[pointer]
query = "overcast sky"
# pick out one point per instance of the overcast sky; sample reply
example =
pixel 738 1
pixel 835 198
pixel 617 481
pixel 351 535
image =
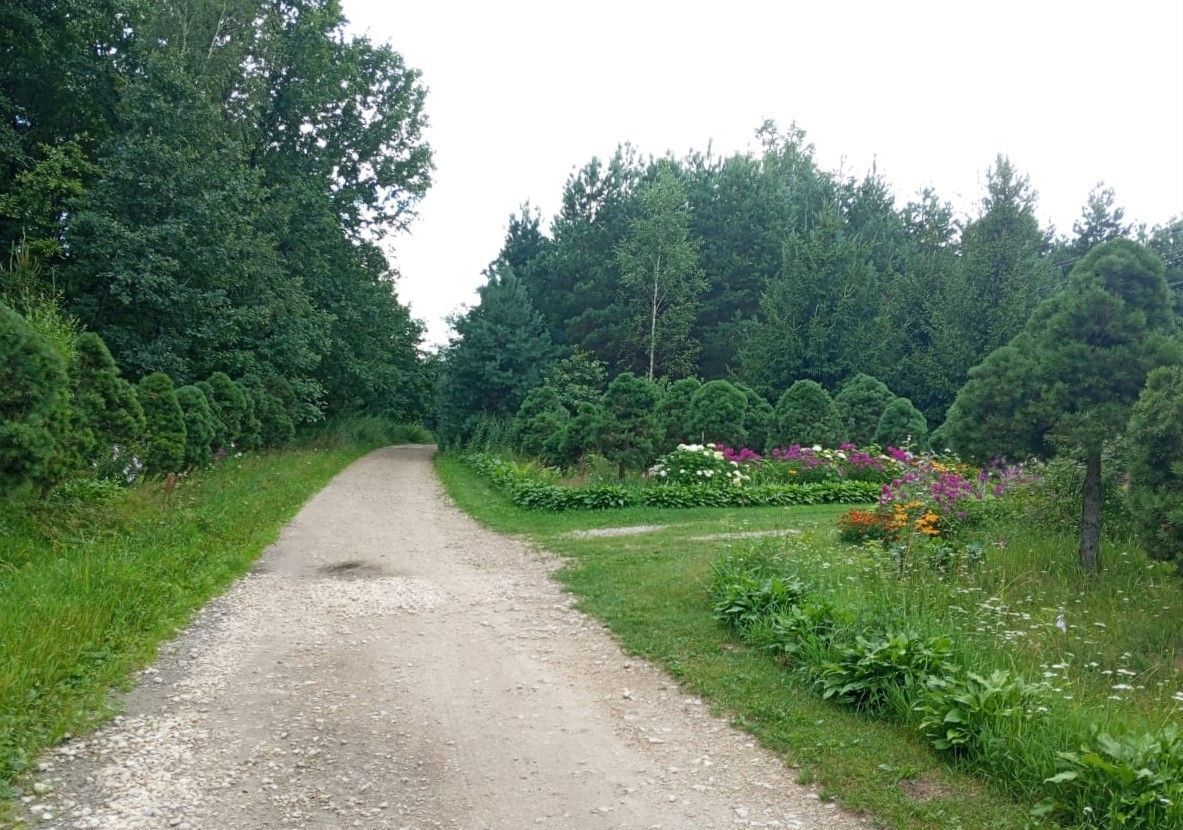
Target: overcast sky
pixel 520 93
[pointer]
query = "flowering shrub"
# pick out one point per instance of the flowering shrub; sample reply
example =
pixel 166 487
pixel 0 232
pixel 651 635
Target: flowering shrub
pixel 698 464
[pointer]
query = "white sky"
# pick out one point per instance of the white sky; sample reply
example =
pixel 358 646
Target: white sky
pixel 522 92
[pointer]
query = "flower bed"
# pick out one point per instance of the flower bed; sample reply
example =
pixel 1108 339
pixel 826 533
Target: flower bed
pixel 534 488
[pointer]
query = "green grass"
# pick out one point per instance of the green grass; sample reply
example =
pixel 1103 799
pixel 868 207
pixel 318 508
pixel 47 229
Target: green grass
pixel 88 590
pixel 651 590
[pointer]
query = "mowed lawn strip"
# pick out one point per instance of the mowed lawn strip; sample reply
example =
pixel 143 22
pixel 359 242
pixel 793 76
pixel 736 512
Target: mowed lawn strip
pixel 651 590
pixel 88 592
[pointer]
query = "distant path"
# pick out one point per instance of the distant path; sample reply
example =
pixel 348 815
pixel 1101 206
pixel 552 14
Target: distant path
pixel 391 664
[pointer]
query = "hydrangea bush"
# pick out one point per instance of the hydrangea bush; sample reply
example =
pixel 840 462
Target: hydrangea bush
pixel 699 464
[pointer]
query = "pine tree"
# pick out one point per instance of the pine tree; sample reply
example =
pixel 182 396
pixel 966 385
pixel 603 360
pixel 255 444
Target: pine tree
pixel 1072 375
pixel 902 425
pixel 718 412
pixel 630 432
pixel 1156 464
pixel 861 402
pixel 806 414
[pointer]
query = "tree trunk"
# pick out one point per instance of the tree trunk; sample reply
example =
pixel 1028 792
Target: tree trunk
pixel 1090 515
pixel 653 321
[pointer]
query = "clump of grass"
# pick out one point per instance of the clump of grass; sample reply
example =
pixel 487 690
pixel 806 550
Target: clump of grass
pixel 92 582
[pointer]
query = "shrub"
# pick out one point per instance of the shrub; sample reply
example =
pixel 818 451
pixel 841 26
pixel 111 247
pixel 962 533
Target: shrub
pixel 106 403
pixel 746 599
pixel 1155 436
pixel 583 432
pixel 199 426
pixel 220 429
pixel 805 414
pixel 803 634
pixel 902 425
pixel 276 428
pixel 164 424
pixel 229 403
pixel 1134 782
pixel 673 414
pixel 630 433
pixel 861 402
pixel 251 437
pixel 697 464
pixel 757 419
pixel 34 402
pixel 717 413
pixel 875 673
pixel 963 714
pixel 540 425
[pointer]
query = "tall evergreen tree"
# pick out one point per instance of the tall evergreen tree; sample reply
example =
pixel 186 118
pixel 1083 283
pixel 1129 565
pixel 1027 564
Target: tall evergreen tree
pixel 501 350
pixel 1071 376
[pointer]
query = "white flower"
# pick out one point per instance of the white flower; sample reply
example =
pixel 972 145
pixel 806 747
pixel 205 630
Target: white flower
pixel 816 448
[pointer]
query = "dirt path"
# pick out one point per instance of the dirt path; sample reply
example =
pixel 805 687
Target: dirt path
pixel 391 664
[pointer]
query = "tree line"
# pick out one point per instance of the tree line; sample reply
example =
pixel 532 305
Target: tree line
pixel 205 185
pixel 765 269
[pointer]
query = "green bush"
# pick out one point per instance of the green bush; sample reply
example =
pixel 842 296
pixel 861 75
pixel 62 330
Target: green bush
pixel 902 425
pixel 963 714
pixel 757 419
pixel 861 402
pixel 718 411
pixel 34 403
pixel 745 600
pixel 886 671
pixel 164 424
pixel 697 464
pixel 251 437
pixel 1155 437
pixel 229 403
pixel 583 432
pixel 630 436
pixel 540 425
pixel 673 414
pixel 275 423
pixel 1133 782
pixel 106 402
pixel 806 414
pixel 199 426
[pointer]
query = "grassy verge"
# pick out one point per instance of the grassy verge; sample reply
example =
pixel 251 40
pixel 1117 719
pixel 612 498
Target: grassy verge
pixel 88 590
pixel 651 589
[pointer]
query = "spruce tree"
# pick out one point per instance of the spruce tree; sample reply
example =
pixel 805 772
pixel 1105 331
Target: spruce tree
pixel 673 413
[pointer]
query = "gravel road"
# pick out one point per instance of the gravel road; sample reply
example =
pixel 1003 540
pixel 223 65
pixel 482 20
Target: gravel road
pixel 391 664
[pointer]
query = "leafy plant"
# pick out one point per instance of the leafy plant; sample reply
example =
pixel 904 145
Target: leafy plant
pixel 740 603
pixel 1134 782
pixel 873 672
pixel 958 714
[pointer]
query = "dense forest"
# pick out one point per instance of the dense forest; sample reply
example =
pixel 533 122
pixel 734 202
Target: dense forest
pixel 765 269
pixel 205 185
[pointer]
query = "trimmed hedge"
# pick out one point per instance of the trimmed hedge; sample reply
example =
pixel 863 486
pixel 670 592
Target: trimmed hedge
pixel 528 489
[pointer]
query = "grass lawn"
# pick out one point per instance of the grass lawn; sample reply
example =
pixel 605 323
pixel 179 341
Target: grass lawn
pixel 651 589
pixel 89 590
